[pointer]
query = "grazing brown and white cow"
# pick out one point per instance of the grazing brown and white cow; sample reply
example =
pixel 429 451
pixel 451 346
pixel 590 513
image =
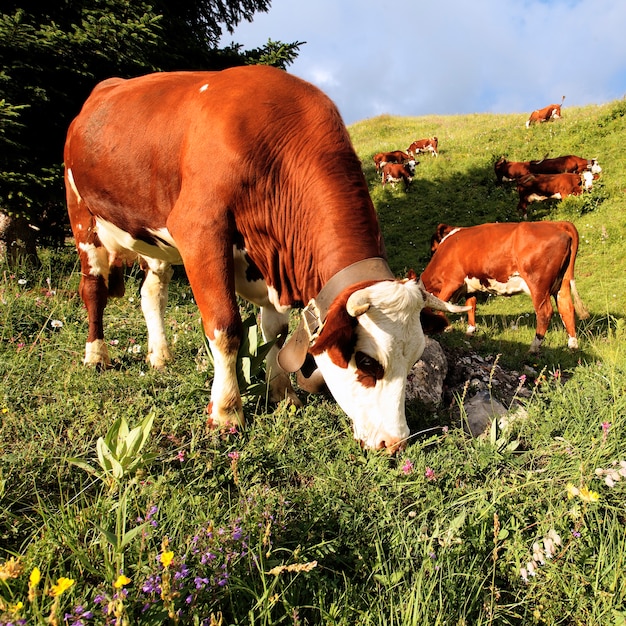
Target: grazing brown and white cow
pixel 551 112
pixel 423 145
pixel 538 187
pixel 165 169
pixel 535 258
pixel 564 164
pixel 395 172
pixel 396 156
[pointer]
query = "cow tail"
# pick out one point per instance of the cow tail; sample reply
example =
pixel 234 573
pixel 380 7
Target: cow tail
pixel 579 306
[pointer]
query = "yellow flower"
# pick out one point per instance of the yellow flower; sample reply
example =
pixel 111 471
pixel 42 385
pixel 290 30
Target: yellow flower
pixel 572 491
pixel 16 608
pixel 63 584
pixel 35 577
pixel 121 581
pixel 166 558
pixel 586 495
pixel 5 410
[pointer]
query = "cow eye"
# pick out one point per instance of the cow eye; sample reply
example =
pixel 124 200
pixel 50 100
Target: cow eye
pixel 369 370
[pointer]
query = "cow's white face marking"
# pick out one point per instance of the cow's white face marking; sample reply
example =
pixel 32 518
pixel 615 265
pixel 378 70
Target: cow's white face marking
pixel 515 284
pixel 390 332
pixel 588 179
pixel 118 241
pixel 595 167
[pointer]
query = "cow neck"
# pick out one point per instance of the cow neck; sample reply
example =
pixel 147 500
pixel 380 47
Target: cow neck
pixel 292 354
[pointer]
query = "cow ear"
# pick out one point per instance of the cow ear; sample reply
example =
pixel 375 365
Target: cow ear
pixel 411 275
pixel 358 303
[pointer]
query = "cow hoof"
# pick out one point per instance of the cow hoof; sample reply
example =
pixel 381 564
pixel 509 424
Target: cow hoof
pixel 470 330
pixel 97 354
pixel 159 360
pixel 224 420
pixel 572 343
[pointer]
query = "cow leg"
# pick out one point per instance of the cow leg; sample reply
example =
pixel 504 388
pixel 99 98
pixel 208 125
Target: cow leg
pixel 275 326
pixel 543 311
pixel 95 271
pixel 566 311
pixel 153 302
pixel 471 315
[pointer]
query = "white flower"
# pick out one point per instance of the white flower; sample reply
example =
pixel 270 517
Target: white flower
pixel 135 349
pixel 56 323
pixel 22 281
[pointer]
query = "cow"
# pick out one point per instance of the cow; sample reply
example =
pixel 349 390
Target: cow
pixel 395 172
pixel 536 258
pixel 551 112
pixel 565 164
pixel 423 145
pixel 397 156
pixel 538 187
pixel 165 169
pixel 509 171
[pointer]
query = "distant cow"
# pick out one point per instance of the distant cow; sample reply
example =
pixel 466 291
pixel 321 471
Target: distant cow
pixel 511 170
pixel 535 258
pixel 159 169
pixel 395 172
pixel 551 112
pixel 538 187
pixel 563 164
pixel 396 156
pixel 423 145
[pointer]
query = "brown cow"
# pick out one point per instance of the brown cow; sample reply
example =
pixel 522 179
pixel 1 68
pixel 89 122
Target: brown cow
pixel 551 112
pixel 165 169
pixel 395 172
pixel 397 156
pixel 538 187
pixel 535 258
pixel 510 170
pixel 564 164
pixel 423 145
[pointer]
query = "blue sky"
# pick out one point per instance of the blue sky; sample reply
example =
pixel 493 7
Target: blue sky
pixel 420 57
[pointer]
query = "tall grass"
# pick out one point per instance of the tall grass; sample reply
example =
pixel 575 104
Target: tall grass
pixel 289 521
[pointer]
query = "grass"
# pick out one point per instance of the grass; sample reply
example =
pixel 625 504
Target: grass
pixel 290 522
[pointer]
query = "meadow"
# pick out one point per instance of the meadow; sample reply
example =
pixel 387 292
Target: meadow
pixel 119 506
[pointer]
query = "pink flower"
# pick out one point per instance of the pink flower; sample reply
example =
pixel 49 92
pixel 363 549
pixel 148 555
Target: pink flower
pixel 233 456
pixel 407 468
pixel 181 456
pixel 430 474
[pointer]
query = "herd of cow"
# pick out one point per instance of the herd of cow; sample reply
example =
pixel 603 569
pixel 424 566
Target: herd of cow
pixel 164 169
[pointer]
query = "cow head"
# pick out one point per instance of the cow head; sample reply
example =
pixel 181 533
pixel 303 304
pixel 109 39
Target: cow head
pixel 411 166
pixel 371 338
pixel 594 167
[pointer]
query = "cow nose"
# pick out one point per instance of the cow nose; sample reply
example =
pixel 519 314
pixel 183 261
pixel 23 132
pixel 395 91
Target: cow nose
pixel 388 443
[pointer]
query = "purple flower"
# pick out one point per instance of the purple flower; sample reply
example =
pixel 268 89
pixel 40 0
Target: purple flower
pixel 407 468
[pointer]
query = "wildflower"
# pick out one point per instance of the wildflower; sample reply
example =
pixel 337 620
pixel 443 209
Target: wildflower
pixel 63 584
pixel 576 534
pixel 522 379
pixel 135 349
pixel 166 558
pixel 22 281
pixel 572 491
pixel 407 468
pixel 430 474
pixel 5 410
pixel 233 456
pixel 586 495
pixel 56 324
pixel 121 581
pixel 181 456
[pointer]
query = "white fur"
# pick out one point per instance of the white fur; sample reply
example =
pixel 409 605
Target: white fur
pixel 389 331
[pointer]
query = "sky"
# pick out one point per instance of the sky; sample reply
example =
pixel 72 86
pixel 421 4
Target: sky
pixel 446 57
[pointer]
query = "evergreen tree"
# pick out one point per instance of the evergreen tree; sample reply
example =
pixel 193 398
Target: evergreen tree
pixel 51 56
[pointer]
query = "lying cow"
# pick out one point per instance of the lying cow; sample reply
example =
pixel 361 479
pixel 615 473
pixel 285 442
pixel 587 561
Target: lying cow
pixel 535 258
pixel 397 156
pixel 509 171
pixel 538 187
pixel 273 230
pixel 564 164
pixel 423 145
pixel 551 112
pixel 395 172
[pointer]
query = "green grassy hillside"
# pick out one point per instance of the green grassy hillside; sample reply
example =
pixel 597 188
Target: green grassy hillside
pixel 290 521
pixel 459 187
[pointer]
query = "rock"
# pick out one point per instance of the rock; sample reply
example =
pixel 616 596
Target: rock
pixel 425 380
pixel 480 410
